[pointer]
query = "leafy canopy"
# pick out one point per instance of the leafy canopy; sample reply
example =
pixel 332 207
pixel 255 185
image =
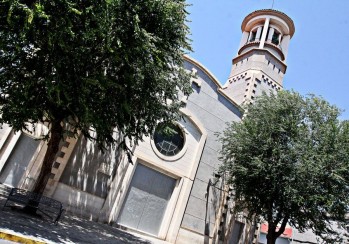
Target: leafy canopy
pixel 100 64
pixel 288 161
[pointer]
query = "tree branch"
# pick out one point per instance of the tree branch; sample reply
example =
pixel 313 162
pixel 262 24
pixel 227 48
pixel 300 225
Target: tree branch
pixel 282 227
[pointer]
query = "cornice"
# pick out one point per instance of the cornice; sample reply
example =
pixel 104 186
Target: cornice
pixel 271 12
pixel 242 56
pixel 256 43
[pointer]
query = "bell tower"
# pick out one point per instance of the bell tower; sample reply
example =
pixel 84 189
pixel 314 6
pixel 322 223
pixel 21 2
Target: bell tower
pixel 260 64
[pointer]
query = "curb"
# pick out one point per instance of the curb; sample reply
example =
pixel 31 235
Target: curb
pixel 18 238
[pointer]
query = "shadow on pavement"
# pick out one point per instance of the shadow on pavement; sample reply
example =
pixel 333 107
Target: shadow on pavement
pixel 70 229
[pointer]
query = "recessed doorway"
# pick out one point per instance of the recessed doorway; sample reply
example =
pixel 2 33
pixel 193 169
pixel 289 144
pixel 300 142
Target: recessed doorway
pixel 146 200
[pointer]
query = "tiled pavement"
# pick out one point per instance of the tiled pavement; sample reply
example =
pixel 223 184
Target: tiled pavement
pixel 14 224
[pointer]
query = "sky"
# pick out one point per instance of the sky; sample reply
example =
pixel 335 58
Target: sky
pixel 318 56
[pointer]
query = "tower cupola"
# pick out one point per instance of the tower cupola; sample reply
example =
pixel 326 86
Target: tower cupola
pixel 267 29
pixel 260 63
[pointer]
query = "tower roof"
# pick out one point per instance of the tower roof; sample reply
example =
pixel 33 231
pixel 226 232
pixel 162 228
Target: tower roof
pixel 270 12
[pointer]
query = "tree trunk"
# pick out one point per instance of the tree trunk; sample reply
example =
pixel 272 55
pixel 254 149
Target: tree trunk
pixel 271 236
pixel 272 233
pixel 50 155
pixel 45 171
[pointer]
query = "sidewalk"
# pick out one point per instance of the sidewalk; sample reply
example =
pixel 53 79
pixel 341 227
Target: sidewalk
pixel 21 228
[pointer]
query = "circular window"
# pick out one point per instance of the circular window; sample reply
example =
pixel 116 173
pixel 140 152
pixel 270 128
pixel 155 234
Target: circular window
pixel 168 139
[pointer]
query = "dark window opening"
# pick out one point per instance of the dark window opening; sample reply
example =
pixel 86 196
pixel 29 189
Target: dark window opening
pixel 275 38
pixel 253 36
pixel 169 139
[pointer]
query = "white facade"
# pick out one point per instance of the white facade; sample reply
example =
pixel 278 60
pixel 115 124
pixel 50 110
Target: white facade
pixel 169 197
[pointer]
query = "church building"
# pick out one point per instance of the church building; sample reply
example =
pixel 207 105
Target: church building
pixel 169 189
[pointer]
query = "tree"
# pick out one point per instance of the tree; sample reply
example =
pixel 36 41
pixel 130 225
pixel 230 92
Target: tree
pixel 91 67
pixel 288 162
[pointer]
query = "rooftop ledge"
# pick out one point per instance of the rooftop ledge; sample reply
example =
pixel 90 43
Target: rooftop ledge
pixel 267 45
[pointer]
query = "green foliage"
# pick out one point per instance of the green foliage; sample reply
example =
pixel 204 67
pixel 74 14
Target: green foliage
pixel 105 64
pixel 288 161
pixel 167 129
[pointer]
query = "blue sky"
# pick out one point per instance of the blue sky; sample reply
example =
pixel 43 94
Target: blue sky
pixel 318 59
